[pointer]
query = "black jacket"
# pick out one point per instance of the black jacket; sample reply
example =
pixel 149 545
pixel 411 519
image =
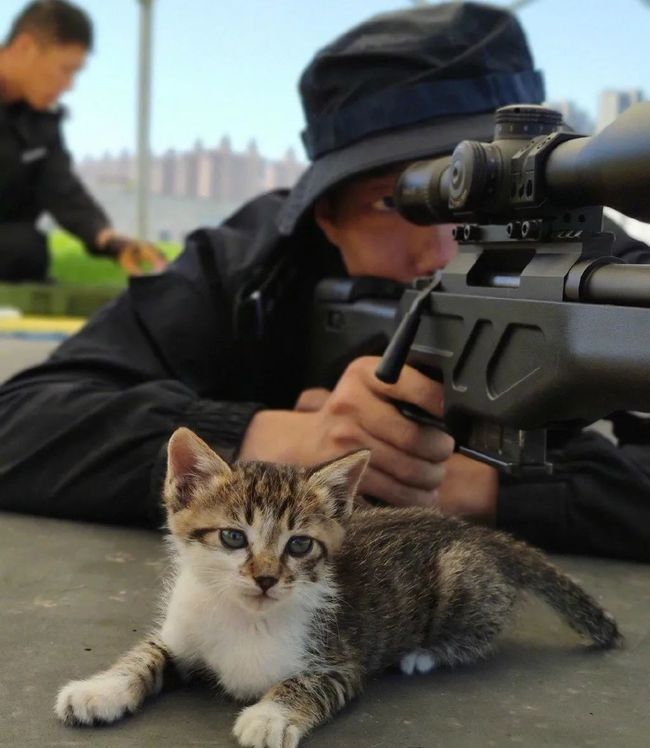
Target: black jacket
pixel 81 435
pixel 36 174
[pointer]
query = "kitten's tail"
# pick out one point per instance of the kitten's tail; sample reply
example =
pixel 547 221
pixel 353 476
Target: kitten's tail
pixel 529 568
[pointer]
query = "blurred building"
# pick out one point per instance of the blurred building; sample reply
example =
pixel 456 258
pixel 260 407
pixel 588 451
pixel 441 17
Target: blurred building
pixel 573 115
pixel 202 185
pixel 188 188
pixel 611 103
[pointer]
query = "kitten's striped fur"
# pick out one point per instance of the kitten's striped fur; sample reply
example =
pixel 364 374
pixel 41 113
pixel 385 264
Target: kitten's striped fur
pixel 300 632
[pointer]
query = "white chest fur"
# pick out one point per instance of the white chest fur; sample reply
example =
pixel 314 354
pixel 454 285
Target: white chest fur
pixel 248 652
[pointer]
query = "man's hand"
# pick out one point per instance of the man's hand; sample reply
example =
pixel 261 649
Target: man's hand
pixel 135 256
pixel 132 255
pixel 407 459
pixel 469 489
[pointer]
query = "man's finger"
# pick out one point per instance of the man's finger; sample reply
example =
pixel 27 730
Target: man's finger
pixel 381 486
pixel 128 261
pixel 409 471
pixel 311 400
pixel 412 386
pixel 134 258
pixel 383 421
pixel 154 256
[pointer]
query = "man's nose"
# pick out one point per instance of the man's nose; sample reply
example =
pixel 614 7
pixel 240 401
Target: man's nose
pixel 67 84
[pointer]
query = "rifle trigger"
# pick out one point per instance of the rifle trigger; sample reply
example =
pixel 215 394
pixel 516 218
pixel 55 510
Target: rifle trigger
pixel 421 416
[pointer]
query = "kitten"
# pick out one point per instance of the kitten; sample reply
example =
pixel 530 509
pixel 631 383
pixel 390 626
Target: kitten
pixel 282 593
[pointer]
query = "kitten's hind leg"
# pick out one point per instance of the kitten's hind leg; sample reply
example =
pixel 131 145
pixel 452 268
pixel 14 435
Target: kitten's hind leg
pixel 120 690
pixel 474 602
pixel 419 660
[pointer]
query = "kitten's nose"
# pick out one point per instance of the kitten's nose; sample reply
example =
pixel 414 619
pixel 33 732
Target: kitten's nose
pixel 265 583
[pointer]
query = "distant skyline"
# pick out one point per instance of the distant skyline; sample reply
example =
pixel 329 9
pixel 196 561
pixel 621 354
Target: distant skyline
pixel 231 66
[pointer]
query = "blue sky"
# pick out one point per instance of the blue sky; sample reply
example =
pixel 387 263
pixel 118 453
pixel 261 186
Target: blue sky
pixel 231 66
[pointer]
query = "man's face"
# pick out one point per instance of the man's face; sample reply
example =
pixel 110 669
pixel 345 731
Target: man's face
pixel 374 239
pixel 49 70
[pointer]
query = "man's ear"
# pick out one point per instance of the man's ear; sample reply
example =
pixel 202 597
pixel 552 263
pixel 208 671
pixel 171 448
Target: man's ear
pixel 340 478
pixel 190 463
pixel 23 44
pixel 325 217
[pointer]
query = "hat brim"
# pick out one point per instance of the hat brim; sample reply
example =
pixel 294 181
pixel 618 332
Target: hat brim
pixel 434 138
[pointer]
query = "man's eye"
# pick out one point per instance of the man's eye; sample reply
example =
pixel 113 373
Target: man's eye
pixel 385 204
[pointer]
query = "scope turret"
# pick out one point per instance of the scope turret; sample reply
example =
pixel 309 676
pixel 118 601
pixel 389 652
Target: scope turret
pixel 533 168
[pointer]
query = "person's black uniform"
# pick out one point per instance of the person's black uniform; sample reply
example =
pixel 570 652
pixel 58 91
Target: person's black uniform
pixel 182 349
pixel 36 176
pixel 82 436
pixel 46 47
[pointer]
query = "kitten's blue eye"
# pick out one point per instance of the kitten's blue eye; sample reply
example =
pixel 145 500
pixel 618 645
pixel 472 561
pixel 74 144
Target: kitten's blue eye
pixel 299 545
pixel 233 539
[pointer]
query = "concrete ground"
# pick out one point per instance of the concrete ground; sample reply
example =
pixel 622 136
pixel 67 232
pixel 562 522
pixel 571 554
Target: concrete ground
pixel 74 596
pixel 16 354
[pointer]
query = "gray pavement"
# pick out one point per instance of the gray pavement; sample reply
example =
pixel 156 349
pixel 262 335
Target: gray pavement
pixel 74 596
pixel 17 354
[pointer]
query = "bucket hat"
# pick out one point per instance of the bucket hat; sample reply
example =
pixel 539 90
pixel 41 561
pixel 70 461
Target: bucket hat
pixel 408 85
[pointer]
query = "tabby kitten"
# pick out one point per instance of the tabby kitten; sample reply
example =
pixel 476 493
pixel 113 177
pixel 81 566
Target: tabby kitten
pixel 284 595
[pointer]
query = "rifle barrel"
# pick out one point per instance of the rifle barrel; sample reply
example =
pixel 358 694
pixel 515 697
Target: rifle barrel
pixel 617 283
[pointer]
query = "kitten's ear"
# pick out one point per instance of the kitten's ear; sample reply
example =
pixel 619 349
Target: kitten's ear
pixel 341 478
pixel 190 461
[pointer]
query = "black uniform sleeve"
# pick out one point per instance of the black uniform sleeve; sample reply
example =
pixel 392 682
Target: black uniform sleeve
pixel 82 436
pixel 61 193
pixel 83 449
pixel 81 433
pixel 597 503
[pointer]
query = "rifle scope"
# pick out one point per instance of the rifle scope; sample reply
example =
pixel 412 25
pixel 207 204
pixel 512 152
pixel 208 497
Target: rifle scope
pixel 533 168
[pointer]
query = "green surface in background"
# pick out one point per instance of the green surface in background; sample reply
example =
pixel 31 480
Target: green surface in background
pixel 70 263
pixel 81 283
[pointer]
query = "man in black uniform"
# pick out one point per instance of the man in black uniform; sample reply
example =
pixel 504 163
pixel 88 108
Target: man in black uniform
pixel 45 49
pixel 218 342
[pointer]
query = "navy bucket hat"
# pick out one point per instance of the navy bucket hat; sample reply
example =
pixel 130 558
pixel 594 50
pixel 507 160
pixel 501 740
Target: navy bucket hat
pixel 408 85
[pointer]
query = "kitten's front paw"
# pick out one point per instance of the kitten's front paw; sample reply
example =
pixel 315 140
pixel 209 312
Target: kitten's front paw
pixel 265 725
pixel 102 698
